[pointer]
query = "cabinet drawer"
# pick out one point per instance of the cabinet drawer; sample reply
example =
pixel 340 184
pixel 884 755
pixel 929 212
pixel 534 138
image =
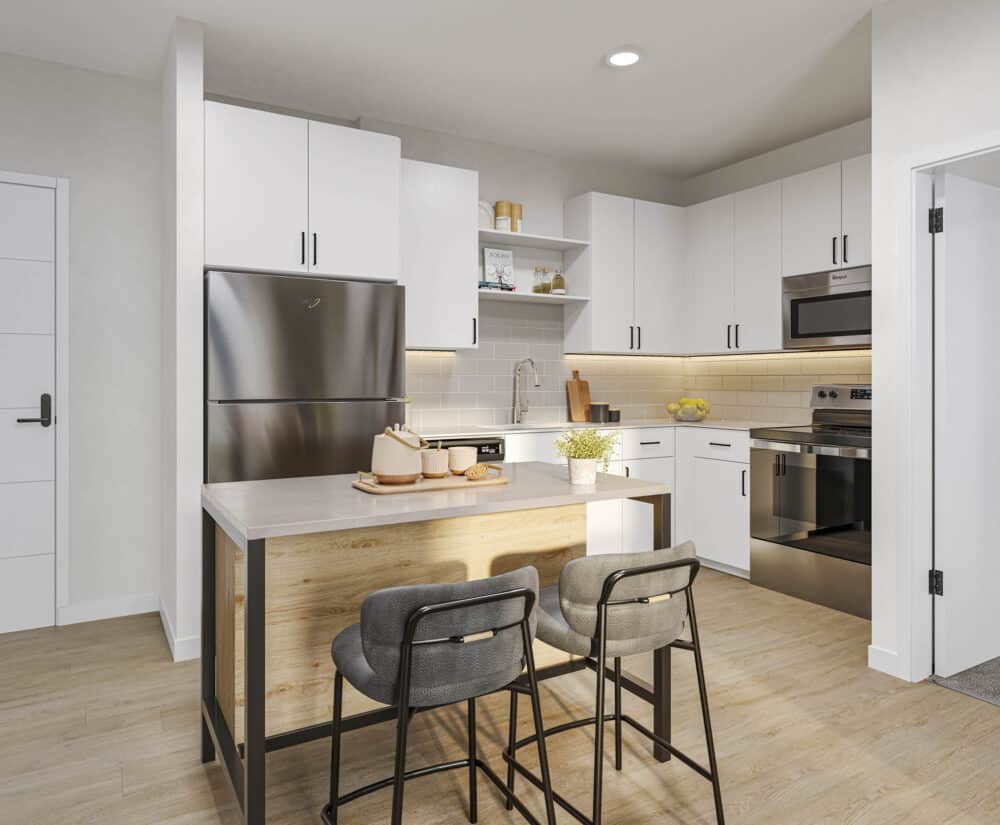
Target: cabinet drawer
pixel 647 442
pixel 725 445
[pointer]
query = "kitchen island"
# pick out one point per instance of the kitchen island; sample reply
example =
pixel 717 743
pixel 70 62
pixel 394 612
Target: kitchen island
pixel 287 563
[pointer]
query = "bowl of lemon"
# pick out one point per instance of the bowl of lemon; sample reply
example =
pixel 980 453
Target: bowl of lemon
pixel 689 409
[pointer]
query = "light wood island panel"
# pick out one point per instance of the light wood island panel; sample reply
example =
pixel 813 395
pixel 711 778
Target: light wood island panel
pixel 317 582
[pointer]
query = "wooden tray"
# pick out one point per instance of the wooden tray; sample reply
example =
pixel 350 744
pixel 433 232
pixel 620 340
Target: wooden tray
pixel 367 483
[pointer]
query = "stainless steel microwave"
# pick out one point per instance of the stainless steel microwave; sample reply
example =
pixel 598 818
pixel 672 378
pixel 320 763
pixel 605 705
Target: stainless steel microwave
pixel 828 309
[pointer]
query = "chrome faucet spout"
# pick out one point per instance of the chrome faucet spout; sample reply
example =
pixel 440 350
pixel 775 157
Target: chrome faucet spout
pixel 519 404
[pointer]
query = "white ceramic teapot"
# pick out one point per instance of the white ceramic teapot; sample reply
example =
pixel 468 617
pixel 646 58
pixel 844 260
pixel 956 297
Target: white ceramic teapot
pixel 396 456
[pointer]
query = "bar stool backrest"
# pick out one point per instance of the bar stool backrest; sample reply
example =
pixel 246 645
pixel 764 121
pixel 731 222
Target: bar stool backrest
pixel 443 663
pixel 649 625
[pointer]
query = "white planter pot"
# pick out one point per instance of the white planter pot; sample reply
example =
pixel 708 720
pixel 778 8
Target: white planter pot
pixel 583 471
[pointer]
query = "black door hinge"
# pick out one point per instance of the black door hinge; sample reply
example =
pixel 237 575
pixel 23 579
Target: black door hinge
pixel 935 220
pixel 935 582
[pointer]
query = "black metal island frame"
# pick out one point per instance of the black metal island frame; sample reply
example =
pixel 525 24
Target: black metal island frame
pixel 274 550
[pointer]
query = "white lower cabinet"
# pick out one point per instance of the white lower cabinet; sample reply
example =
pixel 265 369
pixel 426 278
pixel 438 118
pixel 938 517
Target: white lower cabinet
pixel 637 518
pixel 712 498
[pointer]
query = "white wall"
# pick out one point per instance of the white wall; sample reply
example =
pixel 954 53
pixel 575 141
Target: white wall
pixel 836 145
pixel 183 260
pixel 541 182
pixel 102 132
pixel 934 77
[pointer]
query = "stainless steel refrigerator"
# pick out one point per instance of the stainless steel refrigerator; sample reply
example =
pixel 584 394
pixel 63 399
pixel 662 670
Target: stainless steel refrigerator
pixel 300 374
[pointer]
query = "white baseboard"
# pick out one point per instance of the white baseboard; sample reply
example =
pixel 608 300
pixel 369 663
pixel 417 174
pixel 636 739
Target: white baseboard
pixel 182 650
pixel 725 568
pixel 106 609
pixel 885 661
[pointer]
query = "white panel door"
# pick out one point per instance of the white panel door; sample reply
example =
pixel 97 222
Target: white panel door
pixel 637 517
pixel 710 275
pixel 439 231
pixel 722 512
pixel 612 249
pixel 604 520
pixel 28 228
pixel 256 189
pixel 354 187
pixel 810 221
pixel 757 268
pixel 659 278
pixel 27 371
pixel 966 447
pixel 856 249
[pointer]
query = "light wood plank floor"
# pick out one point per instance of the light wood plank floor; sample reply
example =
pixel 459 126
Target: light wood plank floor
pixel 98 726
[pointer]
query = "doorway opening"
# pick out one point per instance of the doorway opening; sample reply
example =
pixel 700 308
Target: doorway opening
pixel 963 221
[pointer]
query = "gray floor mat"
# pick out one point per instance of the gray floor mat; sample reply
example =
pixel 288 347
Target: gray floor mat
pixel 981 681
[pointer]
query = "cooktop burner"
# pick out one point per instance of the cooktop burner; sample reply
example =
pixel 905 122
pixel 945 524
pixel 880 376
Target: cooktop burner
pixel 811 434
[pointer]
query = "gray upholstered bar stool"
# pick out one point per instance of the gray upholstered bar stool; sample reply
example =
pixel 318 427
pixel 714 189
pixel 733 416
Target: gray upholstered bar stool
pixel 609 606
pixel 414 649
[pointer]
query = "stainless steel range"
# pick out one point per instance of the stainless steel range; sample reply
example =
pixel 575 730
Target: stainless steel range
pixel 810 502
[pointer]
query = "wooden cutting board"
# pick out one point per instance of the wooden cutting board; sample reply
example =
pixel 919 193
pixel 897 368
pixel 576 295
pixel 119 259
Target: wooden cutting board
pixel 578 398
pixel 366 483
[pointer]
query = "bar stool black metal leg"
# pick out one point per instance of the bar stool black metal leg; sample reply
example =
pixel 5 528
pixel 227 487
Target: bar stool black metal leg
pixel 618 713
pixel 511 748
pixel 399 777
pixel 473 790
pixel 602 661
pixel 703 693
pixel 536 712
pixel 338 701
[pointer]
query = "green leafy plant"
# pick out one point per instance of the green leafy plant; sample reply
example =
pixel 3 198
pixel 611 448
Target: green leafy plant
pixel 585 443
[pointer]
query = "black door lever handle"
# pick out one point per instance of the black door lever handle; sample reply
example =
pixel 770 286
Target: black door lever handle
pixel 45 418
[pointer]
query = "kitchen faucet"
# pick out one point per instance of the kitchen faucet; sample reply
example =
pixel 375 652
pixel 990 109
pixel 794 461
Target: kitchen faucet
pixel 520 404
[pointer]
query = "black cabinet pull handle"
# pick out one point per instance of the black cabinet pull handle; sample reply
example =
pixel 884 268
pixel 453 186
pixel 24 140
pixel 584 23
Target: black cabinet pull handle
pixel 737 336
pixel 777 466
pixel 631 337
pixel 302 256
pixel 626 471
pixel 475 331
pixel 45 414
pixel 835 249
pixel 743 483
pixel 638 337
pixel 844 249
pixel 729 333
pixel 718 444
pixel 315 243
pixel 648 443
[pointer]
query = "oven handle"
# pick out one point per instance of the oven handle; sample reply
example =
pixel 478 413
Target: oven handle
pixel 864 453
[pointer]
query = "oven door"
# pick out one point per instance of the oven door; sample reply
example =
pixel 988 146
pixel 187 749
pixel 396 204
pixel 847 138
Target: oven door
pixel 812 500
pixel 830 309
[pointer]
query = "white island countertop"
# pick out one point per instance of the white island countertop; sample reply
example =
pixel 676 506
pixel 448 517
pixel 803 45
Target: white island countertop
pixel 251 510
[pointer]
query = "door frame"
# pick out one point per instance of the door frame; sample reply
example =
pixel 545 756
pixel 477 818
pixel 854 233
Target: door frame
pixel 62 367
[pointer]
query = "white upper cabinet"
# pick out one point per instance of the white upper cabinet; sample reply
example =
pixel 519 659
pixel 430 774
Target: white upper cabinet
pixel 354 184
pixel 710 275
pixel 256 189
pixel 810 221
pixel 285 194
pixel 820 209
pixel 659 278
pixel 439 223
pixel 632 272
pixel 757 268
pixel 856 244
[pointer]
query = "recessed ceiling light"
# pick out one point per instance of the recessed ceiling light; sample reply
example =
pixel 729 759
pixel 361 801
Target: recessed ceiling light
pixel 620 58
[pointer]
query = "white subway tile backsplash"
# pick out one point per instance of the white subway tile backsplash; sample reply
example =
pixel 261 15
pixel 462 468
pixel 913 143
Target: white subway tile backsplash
pixel 473 387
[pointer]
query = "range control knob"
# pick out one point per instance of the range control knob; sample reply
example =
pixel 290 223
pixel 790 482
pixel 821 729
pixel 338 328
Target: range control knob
pixel 821 393
pixel 833 393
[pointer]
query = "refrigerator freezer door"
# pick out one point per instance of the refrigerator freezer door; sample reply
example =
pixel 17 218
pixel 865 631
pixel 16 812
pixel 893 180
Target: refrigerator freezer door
pixel 286 440
pixel 283 337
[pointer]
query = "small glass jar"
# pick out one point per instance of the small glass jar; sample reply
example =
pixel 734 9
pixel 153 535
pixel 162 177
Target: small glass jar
pixel 558 283
pixel 546 280
pixel 536 284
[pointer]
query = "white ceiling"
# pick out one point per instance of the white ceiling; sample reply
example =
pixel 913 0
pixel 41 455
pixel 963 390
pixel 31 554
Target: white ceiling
pixel 719 81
